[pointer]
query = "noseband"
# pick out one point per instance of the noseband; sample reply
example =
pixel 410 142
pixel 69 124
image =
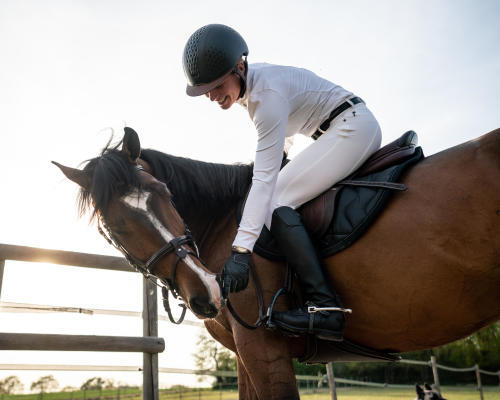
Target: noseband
pixel 147 268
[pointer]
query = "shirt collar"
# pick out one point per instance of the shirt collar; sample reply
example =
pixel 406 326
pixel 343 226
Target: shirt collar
pixel 243 101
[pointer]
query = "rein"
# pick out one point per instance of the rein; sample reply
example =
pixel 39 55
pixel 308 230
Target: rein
pixel 146 268
pixel 170 284
pixel 260 300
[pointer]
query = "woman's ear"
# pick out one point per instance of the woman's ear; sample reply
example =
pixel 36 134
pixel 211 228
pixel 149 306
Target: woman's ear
pixel 241 65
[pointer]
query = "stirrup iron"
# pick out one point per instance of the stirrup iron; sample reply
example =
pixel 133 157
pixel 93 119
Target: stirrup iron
pixel 314 309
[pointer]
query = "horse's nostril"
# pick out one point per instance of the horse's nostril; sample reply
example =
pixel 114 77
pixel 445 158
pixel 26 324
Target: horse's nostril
pixel 203 307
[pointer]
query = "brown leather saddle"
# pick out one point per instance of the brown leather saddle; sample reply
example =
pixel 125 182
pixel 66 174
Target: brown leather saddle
pixel 317 214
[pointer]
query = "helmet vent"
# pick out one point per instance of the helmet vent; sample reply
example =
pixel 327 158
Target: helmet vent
pixel 215 59
pixel 191 55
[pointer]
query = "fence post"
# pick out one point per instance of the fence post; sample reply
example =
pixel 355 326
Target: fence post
pixel 478 378
pixel 331 381
pixel 150 328
pixel 2 265
pixel 435 373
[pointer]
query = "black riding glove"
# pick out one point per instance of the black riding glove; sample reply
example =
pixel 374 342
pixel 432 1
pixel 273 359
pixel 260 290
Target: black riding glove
pixel 234 275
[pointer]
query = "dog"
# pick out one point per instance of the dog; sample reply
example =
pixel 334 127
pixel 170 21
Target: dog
pixel 427 393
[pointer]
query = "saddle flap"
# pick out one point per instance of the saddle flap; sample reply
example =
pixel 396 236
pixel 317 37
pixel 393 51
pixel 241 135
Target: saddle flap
pixel 321 352
pixel 318 213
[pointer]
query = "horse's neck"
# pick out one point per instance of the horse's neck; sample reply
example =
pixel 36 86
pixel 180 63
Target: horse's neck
pixel 213 235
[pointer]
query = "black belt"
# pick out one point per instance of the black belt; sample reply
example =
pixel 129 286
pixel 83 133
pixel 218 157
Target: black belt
pixel 326 123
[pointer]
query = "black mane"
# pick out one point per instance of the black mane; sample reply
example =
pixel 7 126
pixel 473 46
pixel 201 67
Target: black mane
pixel 200 187
pixel 197 187
pixel 111 173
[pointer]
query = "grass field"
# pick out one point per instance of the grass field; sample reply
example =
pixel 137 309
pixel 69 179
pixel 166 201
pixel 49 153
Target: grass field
pixel 450 393
pixel 343 393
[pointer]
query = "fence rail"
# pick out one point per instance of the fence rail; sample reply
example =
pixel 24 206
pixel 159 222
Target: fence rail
pixel 39 308
pixel 62 257
pixel 149 344
pixel 36 341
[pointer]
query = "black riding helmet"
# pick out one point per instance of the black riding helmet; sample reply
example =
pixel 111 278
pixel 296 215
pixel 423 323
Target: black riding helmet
pixel 210 55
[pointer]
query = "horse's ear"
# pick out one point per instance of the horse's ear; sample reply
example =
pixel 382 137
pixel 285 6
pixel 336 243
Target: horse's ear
pixel 76 175
pixel 131 145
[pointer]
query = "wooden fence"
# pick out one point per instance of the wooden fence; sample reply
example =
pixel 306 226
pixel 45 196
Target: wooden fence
pixel 149 344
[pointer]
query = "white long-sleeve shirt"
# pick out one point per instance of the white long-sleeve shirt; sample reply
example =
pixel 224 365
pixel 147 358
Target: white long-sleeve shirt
pixel 281 102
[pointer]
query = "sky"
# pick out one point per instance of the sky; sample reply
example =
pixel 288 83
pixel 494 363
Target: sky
pixel 71 70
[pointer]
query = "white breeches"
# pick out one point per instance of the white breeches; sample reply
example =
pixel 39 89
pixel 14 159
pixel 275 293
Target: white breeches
pixel 351 138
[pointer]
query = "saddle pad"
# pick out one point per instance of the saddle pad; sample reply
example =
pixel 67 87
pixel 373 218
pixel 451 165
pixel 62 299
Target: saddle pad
pixel 356 209
pixel 321 352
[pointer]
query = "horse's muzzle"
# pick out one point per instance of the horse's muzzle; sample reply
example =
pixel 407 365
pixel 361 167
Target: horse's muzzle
pixel 203 307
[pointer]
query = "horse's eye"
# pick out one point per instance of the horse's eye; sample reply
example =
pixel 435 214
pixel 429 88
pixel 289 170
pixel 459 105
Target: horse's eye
pixel 118 227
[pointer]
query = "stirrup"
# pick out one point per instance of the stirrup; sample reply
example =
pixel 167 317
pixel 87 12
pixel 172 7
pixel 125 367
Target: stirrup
pixel 314 309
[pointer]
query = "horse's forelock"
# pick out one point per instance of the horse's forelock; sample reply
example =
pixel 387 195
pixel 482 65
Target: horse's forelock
pixel 111 174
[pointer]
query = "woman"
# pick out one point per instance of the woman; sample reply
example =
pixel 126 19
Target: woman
pixel 283 101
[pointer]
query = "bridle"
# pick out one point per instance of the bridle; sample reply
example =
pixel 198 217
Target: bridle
pixel 170 284
pixel 147 268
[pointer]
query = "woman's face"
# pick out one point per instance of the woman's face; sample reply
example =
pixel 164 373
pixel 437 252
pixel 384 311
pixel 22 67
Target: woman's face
pixel 227 92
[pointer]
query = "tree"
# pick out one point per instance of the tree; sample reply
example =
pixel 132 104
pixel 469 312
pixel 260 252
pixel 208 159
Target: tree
pixel 109 384
pixel 96 383
pixel 212 356
pixel 11 385
pixel 45 384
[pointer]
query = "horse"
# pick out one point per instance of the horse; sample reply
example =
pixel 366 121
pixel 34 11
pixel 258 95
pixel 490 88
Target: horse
pixel 434 250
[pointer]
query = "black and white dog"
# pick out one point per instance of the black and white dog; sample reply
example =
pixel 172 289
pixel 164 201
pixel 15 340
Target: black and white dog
pixel 427 393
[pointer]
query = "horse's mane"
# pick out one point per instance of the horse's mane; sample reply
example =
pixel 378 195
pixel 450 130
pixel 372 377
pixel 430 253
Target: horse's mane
pixel 196 186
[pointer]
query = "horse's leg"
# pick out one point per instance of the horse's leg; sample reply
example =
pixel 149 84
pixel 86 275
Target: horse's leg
pixel 264 358
pixel 246 391
pixel 223 335
pixel 267 362
pixel 219 332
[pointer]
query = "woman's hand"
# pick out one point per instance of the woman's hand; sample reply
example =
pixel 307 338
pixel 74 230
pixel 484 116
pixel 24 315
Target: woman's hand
pixel 234 275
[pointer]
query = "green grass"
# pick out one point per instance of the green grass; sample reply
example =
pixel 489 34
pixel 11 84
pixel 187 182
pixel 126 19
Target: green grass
pixel 450 393
pixel 125 394
pixel 343 393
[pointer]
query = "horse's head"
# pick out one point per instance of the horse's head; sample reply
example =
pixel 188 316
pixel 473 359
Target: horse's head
pixel 427 393
pixel 139 218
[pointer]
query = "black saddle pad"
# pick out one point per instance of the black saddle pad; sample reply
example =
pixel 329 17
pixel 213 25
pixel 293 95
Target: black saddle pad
pixel 321 352
pixel 356 209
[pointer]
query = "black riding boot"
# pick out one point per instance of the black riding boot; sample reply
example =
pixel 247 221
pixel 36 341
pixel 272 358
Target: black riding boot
pixel 295 243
